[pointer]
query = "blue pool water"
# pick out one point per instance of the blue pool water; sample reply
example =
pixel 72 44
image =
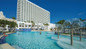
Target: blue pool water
pixel 32 40
pixel 47 40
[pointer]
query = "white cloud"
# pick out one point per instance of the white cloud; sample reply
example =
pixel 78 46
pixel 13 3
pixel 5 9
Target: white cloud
pixel 81 13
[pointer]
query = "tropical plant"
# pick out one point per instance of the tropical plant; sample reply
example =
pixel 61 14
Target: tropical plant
pixel 3 23
pixel 81 19
pixel 13 18
pixel 51 29
pixel 60 22
pixel 32 23
pixel 46 24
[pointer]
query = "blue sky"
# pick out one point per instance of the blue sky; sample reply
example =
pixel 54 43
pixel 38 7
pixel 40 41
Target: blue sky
pixel 59 9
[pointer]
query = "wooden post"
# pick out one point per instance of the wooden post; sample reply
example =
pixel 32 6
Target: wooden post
pixel 72 37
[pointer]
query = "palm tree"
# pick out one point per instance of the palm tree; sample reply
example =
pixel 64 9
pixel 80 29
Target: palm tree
pixel 32 23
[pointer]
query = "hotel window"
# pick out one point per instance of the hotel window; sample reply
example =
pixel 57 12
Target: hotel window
pixel 22 24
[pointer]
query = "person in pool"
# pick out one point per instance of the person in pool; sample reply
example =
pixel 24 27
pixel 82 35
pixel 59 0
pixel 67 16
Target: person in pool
pixel 40 33
pixel 5 34
pixel 55 32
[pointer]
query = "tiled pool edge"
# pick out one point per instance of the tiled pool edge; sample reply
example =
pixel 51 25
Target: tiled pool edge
pixel 6 46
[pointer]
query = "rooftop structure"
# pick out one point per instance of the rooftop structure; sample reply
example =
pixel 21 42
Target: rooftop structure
pixel 2 17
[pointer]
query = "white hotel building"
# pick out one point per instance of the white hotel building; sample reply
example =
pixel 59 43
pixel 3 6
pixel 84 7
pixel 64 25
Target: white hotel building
pixel 28 11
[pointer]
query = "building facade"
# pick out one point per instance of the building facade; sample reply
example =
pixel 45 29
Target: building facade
pixel 28 11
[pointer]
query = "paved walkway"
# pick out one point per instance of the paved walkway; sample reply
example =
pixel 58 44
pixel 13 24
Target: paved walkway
pixel 6 46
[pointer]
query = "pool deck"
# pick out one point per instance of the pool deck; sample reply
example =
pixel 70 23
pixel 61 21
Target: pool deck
pixel 1 36
pixel 6 46
pixel 65 34
pixel 41 30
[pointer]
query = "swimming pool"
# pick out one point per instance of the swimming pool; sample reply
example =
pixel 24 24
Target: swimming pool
pixel 46 40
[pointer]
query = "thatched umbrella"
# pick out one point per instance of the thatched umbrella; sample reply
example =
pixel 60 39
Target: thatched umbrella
pixel 72 25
